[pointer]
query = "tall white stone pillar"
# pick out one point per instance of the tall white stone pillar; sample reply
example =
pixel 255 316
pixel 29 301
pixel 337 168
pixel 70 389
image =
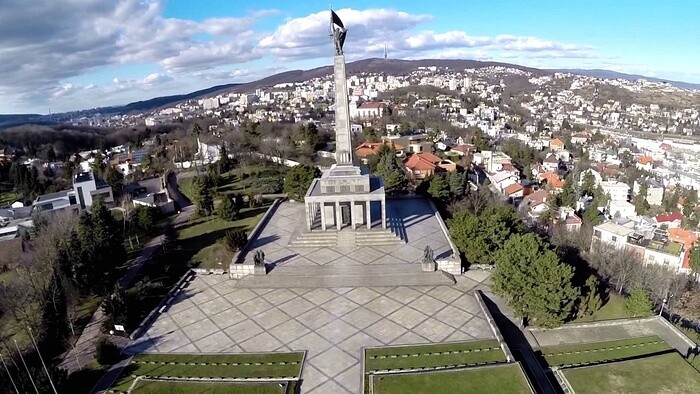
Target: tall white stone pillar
pixel 338 216
pixel 384 213
pixel 323 216
pixel 368 206
pixel 353 222
pixel 308 216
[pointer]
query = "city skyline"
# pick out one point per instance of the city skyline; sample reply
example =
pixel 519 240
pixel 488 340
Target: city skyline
pixel 83 54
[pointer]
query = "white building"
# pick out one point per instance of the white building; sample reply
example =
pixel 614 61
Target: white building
pixel 655 191
pixel 617 191
pixel 622 209
pixel 612 234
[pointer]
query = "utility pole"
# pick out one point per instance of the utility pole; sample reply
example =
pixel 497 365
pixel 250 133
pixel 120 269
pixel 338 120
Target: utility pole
pixel 8 374
pixel 42 360
pixel 26 368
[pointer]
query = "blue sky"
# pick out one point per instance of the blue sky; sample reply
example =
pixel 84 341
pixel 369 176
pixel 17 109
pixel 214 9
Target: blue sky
pixel 64 55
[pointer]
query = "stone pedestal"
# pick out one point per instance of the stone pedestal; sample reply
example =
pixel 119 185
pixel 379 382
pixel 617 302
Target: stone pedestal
pixel 428 266
pixel 260 270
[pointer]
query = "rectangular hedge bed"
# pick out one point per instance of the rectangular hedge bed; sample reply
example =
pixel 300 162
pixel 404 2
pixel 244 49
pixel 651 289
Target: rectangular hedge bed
pixel 666 373
pixel 227 366
pixel 597 352
pixel 506 378
pixel 438 355
pixel 148 386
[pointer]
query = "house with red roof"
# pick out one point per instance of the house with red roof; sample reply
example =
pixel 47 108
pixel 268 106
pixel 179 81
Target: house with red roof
pixel 534 204
pixel 369 110
pixel 670 219
pixel 556 144
pixel 424 164
pixel 552 180
pixel 645 163
pixel 514 191
pixel 367 149
pixel 687 238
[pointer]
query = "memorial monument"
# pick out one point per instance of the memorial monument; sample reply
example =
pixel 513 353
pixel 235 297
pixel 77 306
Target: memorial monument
pixel 345 194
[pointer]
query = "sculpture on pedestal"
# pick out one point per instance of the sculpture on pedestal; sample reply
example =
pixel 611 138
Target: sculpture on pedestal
pixel 338 32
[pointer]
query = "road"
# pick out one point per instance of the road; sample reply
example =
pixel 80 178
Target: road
pixel 83 352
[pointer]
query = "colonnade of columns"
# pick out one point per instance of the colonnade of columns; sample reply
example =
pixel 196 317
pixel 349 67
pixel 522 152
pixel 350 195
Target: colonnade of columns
pixel 332 213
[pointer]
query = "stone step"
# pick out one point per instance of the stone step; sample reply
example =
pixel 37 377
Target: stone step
pixel 346 270
pixel 387 278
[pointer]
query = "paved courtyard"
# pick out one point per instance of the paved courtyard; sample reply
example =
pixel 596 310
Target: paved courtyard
pixel 215 314
pixel 212 315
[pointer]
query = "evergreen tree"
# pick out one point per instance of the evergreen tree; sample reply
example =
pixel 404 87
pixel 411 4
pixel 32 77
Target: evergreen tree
pixel 479 236
pixel 203 195
pixel 458 184
pixel 298 180
pixel 640 200
pixel 527 173
pixel 226 209
pixel 638 303
pixel 225 164
pixel 568 195
pixel 591 302
pixel 439 189
pixel 591 215
pixel 391 170
pixel 536 284
pixel 588 186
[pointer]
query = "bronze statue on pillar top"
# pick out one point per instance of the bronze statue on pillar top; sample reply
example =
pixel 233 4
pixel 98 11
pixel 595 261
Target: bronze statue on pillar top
pixel 338 32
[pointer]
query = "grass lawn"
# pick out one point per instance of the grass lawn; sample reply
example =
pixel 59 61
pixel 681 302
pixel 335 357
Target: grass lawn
pixel 149 386
pixel 596 352
pixel 613 309
pixel 204 236
pixel 667 373
pixel 476 352
pixel 263 365
pixel 507 378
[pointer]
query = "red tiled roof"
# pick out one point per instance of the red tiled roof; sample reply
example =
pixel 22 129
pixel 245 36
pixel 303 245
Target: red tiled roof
pixel 552 179
pixel 668 217
pixel 536 198
pixel 512 189
pixel 463 148
pixel 416 162
pixel 687 238
pixel 645 160
pixel 573 219
pixel 372 148
pixel 556 141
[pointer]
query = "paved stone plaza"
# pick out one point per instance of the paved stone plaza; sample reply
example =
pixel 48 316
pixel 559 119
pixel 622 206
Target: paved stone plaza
pixel 215 314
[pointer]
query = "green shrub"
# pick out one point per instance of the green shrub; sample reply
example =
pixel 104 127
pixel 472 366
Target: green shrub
pixel 107 353
pixel 235 240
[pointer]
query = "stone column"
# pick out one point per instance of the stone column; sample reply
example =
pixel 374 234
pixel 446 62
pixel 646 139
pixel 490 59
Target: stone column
pixel 352 216
pixel 368 206
pixel 384 213
pixel 323 216
pixel 338 216
pixel 308 216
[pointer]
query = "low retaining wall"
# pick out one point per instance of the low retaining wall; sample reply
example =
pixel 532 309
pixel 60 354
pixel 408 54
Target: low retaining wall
pixel 179 286
pixel 453 265
pixel 492 325
pixel 238 260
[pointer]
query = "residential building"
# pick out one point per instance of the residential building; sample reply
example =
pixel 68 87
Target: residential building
pixel 370 110
pixel 424 164
pixel 551 163
pixel 655 190
pixel 568 217
pixel 552 181
pixel 669 219
pixel 87 188
pixel 160 200
pixel 534 204
pixel 622 209
pixel 514 190
pixel 616 191
pixel 613 234
pixel 645 163
pixel 556 144
pixel 687 238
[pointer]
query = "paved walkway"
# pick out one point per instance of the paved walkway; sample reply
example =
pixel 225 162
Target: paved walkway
pixel 214 314
pixel 83 352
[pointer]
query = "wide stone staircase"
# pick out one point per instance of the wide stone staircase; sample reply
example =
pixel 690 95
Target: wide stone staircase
pixel 347 276
pixel 345 237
